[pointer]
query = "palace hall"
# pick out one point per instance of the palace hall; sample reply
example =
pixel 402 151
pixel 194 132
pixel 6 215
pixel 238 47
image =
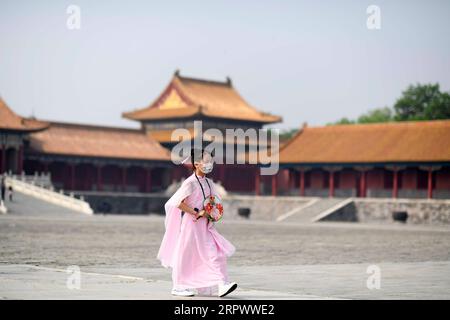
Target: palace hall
pixel 386 160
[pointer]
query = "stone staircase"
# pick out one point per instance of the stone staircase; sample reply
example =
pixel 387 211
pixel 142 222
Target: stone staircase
pixel 29 190
pixel 316 208
pixel 25 205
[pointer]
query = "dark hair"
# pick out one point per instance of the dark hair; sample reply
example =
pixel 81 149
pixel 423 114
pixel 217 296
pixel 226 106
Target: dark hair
pixel 197 155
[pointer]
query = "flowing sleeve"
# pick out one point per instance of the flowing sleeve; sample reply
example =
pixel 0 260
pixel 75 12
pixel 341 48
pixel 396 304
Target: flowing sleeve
pixel 172 223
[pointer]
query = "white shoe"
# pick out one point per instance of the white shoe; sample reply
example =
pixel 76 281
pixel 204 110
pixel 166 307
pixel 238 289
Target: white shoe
pixel 226 288
pixel 183 293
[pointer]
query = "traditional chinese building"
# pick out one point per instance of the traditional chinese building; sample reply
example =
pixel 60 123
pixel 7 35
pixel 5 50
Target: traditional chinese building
pixel 15 133
pixel 83 157
pixel 399 159
pixel 217 105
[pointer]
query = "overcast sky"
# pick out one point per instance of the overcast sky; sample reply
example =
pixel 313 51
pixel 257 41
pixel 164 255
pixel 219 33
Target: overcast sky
pixel 312 61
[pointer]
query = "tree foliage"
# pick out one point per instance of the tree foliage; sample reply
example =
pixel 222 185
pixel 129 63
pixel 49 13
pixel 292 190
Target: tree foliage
pixel 376 115
pixel 423 102
pixel 419 102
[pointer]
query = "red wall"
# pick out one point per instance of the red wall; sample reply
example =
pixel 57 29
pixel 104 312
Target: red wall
pixel 443 179
pixel 375 179
pixel 317 178
pixel 347 179
pixel 409 179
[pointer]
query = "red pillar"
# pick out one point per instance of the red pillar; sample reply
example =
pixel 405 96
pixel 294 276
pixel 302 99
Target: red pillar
pixel 72 176
pixel 430 183
pixel 99 178
pixel 3 168
pixel 148 180
pixel 124 178
pixel 291 179
pixel 274 185
pixel 257 182
pixel 20 160
pixel 331 184
pixel 395 186
pixel 45 167
pixel 362 185
pixel 302 183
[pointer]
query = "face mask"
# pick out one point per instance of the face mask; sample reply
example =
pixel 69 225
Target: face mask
pixel 206 167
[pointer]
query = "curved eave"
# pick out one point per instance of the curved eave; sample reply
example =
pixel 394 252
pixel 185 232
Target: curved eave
pixel 265 119
pixel 158 114
pixel 195 107
pixel 93 156
pixel 39 127
pixel 194 111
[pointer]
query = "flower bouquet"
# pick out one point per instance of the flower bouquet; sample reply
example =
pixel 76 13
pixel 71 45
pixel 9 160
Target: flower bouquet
pixel 214 209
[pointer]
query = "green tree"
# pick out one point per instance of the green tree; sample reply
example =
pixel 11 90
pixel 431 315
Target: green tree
pixel 376 115
pixel 287 134
pixel 372 116
pixel 422 102
pixel 342 121
pixel 419 102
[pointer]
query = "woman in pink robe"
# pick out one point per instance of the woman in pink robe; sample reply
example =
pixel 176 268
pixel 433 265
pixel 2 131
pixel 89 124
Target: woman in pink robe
pixel 192 246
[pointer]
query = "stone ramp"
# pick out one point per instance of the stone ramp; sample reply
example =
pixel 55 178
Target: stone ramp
pixel 23 204
pixel 314 209
pixel 267 208
pixel 48 195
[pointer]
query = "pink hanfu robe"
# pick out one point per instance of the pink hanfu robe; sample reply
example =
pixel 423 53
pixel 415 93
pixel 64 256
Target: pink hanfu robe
pixel 195 250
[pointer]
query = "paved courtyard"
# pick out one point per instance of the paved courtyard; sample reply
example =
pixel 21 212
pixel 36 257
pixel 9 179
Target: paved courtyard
pixel 117 259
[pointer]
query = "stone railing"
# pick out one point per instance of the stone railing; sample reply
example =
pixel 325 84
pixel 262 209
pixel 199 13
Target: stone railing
pixel 49 195
pixel 3 209
pixel 38 178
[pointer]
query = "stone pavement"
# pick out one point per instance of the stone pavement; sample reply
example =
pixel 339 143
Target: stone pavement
pixel 429 280
pixel 116 257
pixel 31 282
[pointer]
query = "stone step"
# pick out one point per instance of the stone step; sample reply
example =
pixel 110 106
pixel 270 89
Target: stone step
pixel 308 213
pixel 58 199
pixel 23 204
